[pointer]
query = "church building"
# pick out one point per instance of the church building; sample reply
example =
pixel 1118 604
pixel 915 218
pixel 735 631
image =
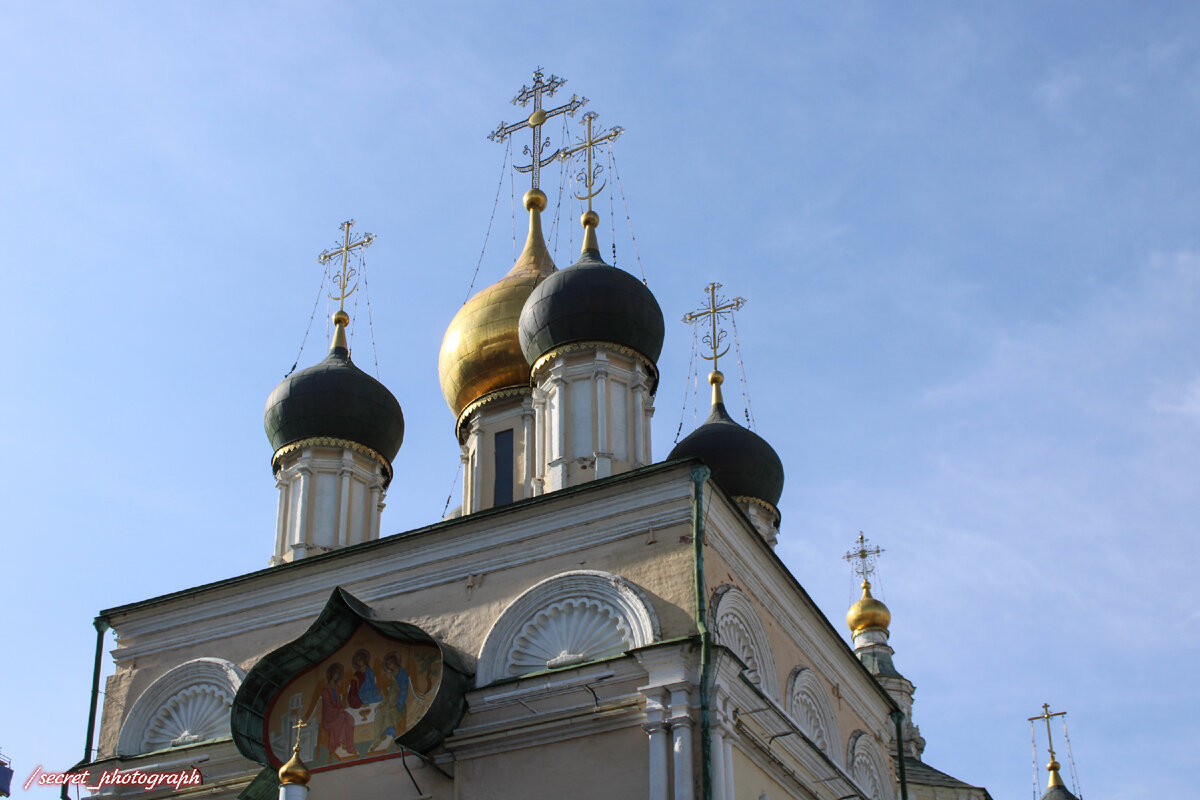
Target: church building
pixel 591 622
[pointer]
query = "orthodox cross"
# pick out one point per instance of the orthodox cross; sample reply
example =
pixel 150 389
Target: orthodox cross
pixel 299 728
pixel 536 120
pixel 717 310
pixel 1046 715
pixel 589 143
pixel 866 557
pixel 348 272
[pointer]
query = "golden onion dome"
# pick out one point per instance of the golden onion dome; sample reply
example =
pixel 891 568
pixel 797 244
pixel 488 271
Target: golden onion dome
pixel 868 612
pixel 481 351
pixel 294 771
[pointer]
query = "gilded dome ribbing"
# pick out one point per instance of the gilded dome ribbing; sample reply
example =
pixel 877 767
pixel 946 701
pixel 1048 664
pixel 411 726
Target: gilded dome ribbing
pixel 481 351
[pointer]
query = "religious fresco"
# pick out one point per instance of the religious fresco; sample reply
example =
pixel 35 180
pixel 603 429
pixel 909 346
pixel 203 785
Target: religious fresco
pixel 354 703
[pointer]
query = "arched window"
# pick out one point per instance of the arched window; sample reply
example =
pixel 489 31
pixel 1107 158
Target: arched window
pixel 865 759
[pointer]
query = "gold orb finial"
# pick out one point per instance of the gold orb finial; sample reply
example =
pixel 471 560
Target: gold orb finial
pixel 294 771
pixel 340 317
pixel 590 219
pixel 868 612
pixel 535 200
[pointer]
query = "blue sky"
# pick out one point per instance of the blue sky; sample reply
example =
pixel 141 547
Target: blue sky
pixel 967 235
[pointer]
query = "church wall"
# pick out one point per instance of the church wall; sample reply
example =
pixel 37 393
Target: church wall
pixel 751 782
pixel 737 556
pixel 581 769
pixel 453 580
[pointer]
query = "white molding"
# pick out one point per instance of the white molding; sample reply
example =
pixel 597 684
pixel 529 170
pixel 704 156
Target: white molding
pixel 186 705
pixel 738 627
pixel 867 764
pixel 808 705
pixel 565 620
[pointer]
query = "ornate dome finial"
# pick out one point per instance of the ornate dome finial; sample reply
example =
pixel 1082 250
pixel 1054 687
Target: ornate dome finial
pixel 868 612
pixel 294 772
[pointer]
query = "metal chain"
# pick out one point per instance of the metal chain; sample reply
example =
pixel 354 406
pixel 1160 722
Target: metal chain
pixel 491 219
pixel 1071 761
pixel 691 363
pixel 737 349
pixel 628 220
pixel 362 264
pixel 311 317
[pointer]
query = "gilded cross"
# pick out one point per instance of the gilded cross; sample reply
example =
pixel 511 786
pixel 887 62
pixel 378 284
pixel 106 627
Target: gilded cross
pixel 535 121
pixel 589 143
pixel 866 557
pixel 344 251
pixel 1046 715
pixel 718 309
pixel 299 729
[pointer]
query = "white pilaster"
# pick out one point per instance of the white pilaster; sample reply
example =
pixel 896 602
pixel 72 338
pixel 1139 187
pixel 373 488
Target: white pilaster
pixel 681 742
pixel 347 513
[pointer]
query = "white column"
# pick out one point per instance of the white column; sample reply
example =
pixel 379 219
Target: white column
pixel 342 535
pixel 717 759
pixel 300 538
pixel 647 415
pixel 603 453
pixel 527 446
pixel 281 521
pixel 639 420
pixel 558 426
pixel 376 507
pixel 539 445
pixel 681 742
pixel 660 749
pixel 293 791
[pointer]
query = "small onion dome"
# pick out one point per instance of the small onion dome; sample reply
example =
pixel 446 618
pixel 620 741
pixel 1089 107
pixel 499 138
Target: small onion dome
pixel 335 400
pixel 741 461
pixel 294 771
pixel 591 301
pixel 481 352
pixel 868 612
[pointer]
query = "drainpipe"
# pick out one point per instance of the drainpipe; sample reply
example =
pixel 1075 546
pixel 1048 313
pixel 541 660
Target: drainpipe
pixel 700 474
pixel 101 624
pixel 898 718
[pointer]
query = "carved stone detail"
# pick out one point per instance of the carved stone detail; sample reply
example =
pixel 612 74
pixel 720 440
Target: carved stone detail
pixel 865 759
pixel 738 627
pixel 808 704
pixel 565 620
pixel 188 704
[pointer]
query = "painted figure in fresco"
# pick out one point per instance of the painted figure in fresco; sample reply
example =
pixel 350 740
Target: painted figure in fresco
pixel 391 716
pixel 429 670
pixel 336 728
pixel 363 689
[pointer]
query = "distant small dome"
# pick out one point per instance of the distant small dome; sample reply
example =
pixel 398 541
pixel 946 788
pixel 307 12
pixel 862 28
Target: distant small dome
pixel 335 399
pixel 591 301
pixel 868 612
pixel 481 351
pixel 742 462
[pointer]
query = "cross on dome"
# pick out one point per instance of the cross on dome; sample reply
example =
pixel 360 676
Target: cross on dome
pixel 534 122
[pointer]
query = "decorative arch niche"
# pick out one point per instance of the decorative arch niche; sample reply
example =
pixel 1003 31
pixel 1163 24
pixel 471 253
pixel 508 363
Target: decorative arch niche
pixel 808 704
pixel 865 760
pixel 737 626
pixel 569 619
pixel 186 705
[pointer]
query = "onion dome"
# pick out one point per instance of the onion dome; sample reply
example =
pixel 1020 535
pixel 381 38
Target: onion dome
pixel 868 612
pixel 591 301
pixel 741 461
pixel 481 352
pixel 294 771
pixel 335 400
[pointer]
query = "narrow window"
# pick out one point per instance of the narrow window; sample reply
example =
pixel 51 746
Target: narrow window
pixel 502 492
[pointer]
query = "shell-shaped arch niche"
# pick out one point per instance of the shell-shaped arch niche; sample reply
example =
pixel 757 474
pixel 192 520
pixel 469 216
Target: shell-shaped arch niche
pixel 569 619
pixel 187 705
pixel 808 704
pixel 866 763
pixel 737 626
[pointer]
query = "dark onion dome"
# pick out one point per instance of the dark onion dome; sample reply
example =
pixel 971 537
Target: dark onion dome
pixel 741 461
pixel 591 301
pixel 335 400
pixel 1055 789
pixel 481 352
